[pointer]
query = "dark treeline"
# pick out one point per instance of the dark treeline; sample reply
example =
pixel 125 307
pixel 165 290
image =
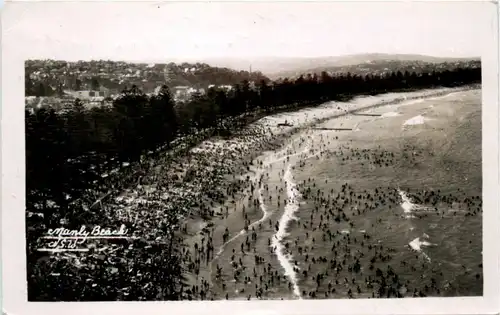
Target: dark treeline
pixel 82 154
pixel 66 154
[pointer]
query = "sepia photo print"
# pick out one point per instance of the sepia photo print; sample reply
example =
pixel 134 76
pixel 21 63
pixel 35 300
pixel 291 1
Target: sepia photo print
pixel 260 151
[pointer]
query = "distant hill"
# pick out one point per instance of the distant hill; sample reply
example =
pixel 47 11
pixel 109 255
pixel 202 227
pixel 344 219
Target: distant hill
pixel 276 67
pixel 385 67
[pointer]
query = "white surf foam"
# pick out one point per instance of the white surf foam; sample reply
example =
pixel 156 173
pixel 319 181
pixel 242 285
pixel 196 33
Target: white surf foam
pixel 408 205
pixel 417 120
pixel 417 245
pixel 288 215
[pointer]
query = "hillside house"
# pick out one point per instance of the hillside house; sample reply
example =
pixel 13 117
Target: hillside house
pixel 88 94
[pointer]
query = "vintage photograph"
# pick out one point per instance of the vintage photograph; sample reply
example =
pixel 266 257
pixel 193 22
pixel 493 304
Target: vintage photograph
pixel 254 151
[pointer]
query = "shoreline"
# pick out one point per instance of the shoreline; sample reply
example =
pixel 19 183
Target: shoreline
pixel 293 131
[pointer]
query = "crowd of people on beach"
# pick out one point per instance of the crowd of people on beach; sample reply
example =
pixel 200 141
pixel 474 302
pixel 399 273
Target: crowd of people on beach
pixel 174 204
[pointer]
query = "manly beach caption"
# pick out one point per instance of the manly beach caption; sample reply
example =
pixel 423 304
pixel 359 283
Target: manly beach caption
pixel 63 239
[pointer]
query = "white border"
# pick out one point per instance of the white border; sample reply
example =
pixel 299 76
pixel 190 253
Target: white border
pixel 13 230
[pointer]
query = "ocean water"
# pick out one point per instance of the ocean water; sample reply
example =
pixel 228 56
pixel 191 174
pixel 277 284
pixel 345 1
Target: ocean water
pixel 430 244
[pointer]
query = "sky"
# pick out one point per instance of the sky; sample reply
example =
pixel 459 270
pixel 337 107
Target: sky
pixel 153 31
